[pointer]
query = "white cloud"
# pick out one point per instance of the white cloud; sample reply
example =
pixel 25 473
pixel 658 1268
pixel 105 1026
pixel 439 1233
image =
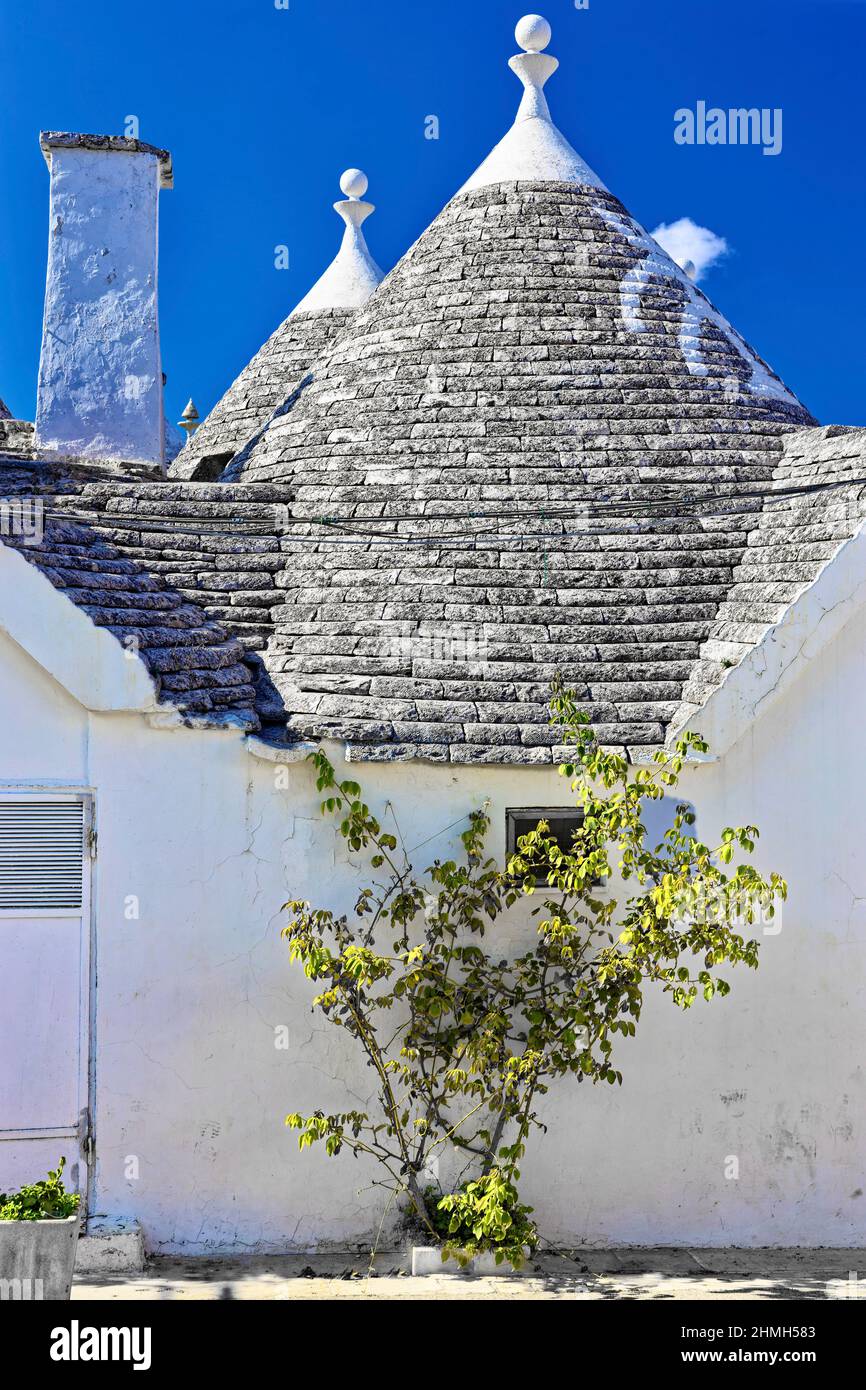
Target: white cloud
pixel 685 241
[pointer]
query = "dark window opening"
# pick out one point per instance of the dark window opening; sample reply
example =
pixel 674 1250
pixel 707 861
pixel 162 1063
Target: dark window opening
pixel 210 468
pixel 563 822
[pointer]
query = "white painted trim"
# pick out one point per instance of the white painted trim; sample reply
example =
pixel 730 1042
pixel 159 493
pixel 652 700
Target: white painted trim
pixel 48 791
pixel 85 660
pixel 51 1132
pixel 771 668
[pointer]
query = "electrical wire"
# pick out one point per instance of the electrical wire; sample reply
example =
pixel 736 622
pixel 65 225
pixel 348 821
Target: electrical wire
pixel 367 531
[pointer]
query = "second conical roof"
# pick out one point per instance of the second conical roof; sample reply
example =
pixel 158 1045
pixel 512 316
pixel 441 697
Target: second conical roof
pixel 281 363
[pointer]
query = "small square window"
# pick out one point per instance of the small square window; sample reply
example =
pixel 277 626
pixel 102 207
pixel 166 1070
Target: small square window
pixel 563 822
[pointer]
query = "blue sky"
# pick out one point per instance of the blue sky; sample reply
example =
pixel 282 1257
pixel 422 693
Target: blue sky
pixel 263 107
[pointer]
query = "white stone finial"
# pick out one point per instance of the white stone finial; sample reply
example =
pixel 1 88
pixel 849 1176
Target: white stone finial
pixel 533 33
pixel 353 209
pixel 533 149
pixel 189 420
pixel 533 67
pixel 353 275
pixel 354 183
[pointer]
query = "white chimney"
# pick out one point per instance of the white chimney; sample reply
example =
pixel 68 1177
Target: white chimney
pixel 100 375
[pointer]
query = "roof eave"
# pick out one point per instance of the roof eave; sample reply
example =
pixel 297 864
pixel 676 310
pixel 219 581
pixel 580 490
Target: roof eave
pixel 769 670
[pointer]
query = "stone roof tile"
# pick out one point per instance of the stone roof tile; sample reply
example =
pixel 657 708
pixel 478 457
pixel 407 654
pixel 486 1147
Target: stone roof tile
pixel 198 666
pixel 538 451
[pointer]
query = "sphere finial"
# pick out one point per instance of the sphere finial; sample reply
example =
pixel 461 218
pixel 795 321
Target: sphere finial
pixel 533 33
pixel 354 183
pixel 353 209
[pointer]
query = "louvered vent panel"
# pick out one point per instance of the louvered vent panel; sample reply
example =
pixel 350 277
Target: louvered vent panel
pixel 41 855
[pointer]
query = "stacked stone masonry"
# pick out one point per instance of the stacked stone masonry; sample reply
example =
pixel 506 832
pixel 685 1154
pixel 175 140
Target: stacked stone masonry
pixel 489 479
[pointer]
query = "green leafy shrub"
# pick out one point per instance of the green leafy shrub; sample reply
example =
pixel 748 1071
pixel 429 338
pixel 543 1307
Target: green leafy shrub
pixel 463 1042
pixel 484 1215
pixel 47 1200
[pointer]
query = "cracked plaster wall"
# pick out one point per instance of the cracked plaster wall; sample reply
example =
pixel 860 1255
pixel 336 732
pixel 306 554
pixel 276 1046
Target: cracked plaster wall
pixel 191 1086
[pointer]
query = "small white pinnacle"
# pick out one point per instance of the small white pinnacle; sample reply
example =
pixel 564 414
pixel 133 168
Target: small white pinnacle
pixel 353 275
pixel 189 420
pixel 690 269
pixel 354 183
pixel 533 33
pixel 533 149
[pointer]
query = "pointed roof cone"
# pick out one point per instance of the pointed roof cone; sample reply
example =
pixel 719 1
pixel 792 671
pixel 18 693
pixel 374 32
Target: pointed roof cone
pixel 5 413
pixel 522 452
pixel 535 267
pixel 281 363
pixel 533 149
pixel 353 275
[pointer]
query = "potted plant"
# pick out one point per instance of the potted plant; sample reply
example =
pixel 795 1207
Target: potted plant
pixel 38 1238
pixel 481 1228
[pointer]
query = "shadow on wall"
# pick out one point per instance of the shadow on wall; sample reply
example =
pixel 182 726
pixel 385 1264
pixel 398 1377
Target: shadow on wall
pixel 658 817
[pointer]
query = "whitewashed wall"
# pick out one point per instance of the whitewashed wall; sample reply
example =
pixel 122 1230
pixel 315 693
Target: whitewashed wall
pixel 190 1084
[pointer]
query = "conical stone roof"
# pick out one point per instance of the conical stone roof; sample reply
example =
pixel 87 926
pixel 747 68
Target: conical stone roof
pixel 281 363
pixel 539 451
pixel 536 309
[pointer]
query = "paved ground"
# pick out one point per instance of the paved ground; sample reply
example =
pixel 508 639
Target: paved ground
pixel 581 1274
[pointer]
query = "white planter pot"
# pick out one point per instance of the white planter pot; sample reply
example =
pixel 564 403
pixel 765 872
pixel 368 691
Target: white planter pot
pixel 37 1258
pixel 110 1247
pixel 427 1259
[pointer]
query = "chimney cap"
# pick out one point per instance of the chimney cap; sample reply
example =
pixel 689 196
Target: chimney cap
pixel 69 140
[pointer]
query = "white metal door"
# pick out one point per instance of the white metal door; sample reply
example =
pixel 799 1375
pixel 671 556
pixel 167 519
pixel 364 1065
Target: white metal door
pixel 45 840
